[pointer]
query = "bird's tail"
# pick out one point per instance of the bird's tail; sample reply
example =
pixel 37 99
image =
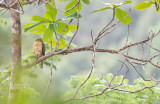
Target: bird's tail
pixel 41 64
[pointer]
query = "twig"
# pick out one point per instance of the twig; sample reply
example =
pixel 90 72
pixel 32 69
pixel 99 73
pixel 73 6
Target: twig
pixel 148 75
pixel 50 74
pixel 3 12
pixel 105 89
pixel 57 43
pixel 77 24
pixel 155 70
pixel 93 62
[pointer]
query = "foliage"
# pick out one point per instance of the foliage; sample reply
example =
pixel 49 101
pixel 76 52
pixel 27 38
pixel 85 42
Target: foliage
pixel 95 85
pixel 48 25
pixel 147 4
pixel 121 15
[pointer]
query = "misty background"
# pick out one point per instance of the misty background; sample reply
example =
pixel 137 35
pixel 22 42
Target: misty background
pixel 80 63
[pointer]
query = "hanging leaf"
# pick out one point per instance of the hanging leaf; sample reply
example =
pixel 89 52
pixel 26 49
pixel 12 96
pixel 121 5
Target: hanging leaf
pixel 144 5
pixel 51 12
pixel 122 16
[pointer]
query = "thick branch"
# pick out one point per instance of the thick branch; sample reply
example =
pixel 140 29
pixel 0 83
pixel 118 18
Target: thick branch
pixel 3 5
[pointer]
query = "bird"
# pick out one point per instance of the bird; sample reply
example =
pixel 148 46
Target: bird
pixel 39 49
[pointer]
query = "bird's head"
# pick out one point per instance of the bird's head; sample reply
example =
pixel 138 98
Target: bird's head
pixel 39 39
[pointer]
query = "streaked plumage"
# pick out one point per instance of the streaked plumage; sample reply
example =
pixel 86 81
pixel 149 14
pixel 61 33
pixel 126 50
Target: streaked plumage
pixel 39 49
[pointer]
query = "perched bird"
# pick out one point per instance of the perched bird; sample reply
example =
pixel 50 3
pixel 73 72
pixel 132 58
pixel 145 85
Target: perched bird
pixel 39 49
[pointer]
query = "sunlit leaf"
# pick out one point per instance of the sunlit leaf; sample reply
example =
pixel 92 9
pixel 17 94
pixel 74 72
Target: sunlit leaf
pixel 32 26
pixel 144 5
pixel 72 27
pixel 122 16
pixel 159 9
pixel 155 0
pixel 37 18
pixel 62 44
pixel 127 2
pixel 51 12
pixel 38 29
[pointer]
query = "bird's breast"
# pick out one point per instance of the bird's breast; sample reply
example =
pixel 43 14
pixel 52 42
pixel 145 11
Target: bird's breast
pixel 38 48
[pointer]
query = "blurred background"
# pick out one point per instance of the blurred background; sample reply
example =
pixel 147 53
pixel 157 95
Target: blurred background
pixel 80 63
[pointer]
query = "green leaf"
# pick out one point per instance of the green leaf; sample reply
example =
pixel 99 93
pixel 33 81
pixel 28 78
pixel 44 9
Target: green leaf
pixel 70 5
pixel 155 0
pixel 38 29
pixel 54 26
pixel 72 27
pixel 48 34
pixel 72 16
pixel 37 18
pixel 122 16
pixel 32 26
pixel 127 2
pixel 159 9
pixel 86 1
pixel 144 5
pixel 101 9
pixel 51 12
pixel 61 28
pixel 62 44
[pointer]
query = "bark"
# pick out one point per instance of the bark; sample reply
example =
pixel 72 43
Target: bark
pixel 16 55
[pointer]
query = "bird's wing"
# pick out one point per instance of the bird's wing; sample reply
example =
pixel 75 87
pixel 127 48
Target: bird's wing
pixel 43 48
